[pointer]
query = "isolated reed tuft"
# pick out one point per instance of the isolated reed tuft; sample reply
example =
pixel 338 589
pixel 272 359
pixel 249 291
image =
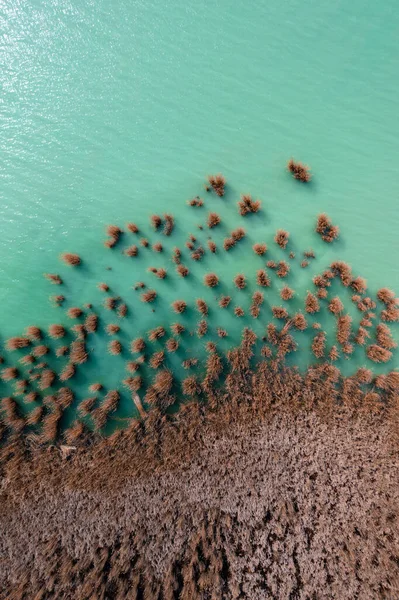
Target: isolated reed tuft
pixel 286 293
pixel 54 278
pixel 155 221
pixel 211 280
pixel 311 304
pixel 169 224
pixel 34 333
pixel 132 227
pixel 217 183
pixel 114 347
pixel 247 206
pixel 259 249
pixel 299 171
pixel 148 296
pixel 177 328
pixel 212 246
pixel 157 247
pixel 71 259
pixel 202 306
pixel 281 238
pixel 283 269
pixel 131 251
pixel 224 301
pixel 56 331
pixel 179 306
pixel 213 220
pixel 324 227
pixel 240 281
pixel 156 334
pixel 17 343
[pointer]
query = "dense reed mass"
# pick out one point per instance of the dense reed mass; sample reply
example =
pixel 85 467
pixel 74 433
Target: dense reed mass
pixel 227 385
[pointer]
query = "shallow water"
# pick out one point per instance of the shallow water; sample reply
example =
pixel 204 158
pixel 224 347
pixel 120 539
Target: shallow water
pixel 112 111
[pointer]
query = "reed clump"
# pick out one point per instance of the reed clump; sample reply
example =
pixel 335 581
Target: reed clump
pixel 281 238
pixel 132 227
pixel 213 220
pixel 137 345
pixel 335 305
pixel 148 296
pixel 378 354
pixel 384 337
pixel 177 328
pixel 156 221
pixel 95 387
pixel 217 183
pixel 86 406
pixel 212 246
pixel 47 378
pixel 299 171
pixel 202 328
pixel 286 293
pixel 343 271
pixel 179 306
pixel 54 278
pixel 202 306
pixel 224 301
pixel 239 311
pixel 91 323
pixel 312 305
pixel 247 206
pixel 78 352
pixel 131 251
pixel 262 278
pixel 9 373
pixel 324 227
pixel 157 247
pixel 40 350
pixel 67 372
pixel 182 270
pixel 157 333
pixel 56 331
pixel 17 343
pixel 240 281
pixel 71 259
pixel 169 224
pixel 34 333
pixel 299 322
pixel 344 324
pixel 211 280
pixel 259 249
pixel 114 347
pixel 283 269
pixel 319 344
pixel 197 201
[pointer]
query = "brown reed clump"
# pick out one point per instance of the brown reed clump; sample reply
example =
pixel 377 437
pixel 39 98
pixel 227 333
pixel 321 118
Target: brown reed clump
pixel 54 278
pixel 86 406
pixel 283 269
pixel 182 270
pixel 169 224
pixel 213 220
pixel 17 343
pixel 67 372
pixel 212 246
pixel 238 234
pixel 198 253
pixel 386 295
pixel 299 322
pixel 148 296
pixel 291 255
pixel 259 249
pixel 217 183
pixel 378 354
pixel 384 337
pixel 79 331
pixel 229 243
pixel 114 347
pixel 91 323
pixel 211 280
pixel 333 355
pixel 221 332
pixel 309 254
pixel 136 383
pixel 157 359
pixel 34 333
pixel 71 259
pixel 177 328
pixel 132 366
pixel 131 251
pixel 104 287
pixel 359 284
pixel 11 415
pixel 75 312
pixel 137 345
pixel 202 306
pixel 299 170
pixel 156 334
pixel 348 348
pixel 144 242
pixel 247 206
pixel 155 221
pixel 57 300
pixel 311 304
pixel 391 313
pixel 344 324
pixel 95 387
pixel 363 375
pixel 279 312
pixel 9 373
pixel 176 256
pixel 179 306
pixel 322 293
pixel 108 406
pixel 304 264
pixel 157 247
pixel 139 285
pixel 224 301
pixel 25 360
pixel 286 293
pixel 262 278
pixel 202 328
pixel 240 281
pixel 238 311
pixel 343 271
pixel 47 378
pixel 191 386
pixel 324 227
pixel 78 352
pixel 319 344
pixel 197 201
pixel 56 331
pixel 132 227
pixel 361 336
pixel 40 350
pixel 281 238
pixel 210 347
pixel 122 310
pixel 335 306
pixel 35 416
pixel 189 363
pixel 172 345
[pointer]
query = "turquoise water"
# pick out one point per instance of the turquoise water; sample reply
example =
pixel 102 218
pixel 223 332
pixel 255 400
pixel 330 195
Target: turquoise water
pixel 113 110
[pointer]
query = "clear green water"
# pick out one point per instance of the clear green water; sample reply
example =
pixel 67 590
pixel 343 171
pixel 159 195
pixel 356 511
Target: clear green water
pixel 111 111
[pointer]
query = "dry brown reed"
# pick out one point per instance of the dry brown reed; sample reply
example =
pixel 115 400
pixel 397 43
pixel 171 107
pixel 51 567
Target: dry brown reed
pixel 172 345
pixel 47 378
pixel 247 206
pixel 132 366
pixel 17 343
pixel 122 310
pixel 148 296
pixel 35 416
pixel 198 253
pixel 262 278
pixel 281 238
pixel 304 264
pixel 9 373
pixel 144 242
pixel 202 306
pixel 212 246
pixel 137 345
pixel 259 249
pixel 191 386
pixel 95 387
pixel 155 221
pixel 108 406
pixel 182 270
pixel 34 333
pixel 228 243
pixel 157 359
pixel 224 301
pixel 11 414
pixel 202 328
pixel 40 350
pixel 217 183
pixel 131 250
pixel 26 360
pixel 157 247
pixel 132 227
pixel 286 293
pixel 359 284
pixel 283 269
pixel 67 372
pixel 56 331
pixel 238 234
pixel 322 293
pixel 179 306
pixel 240 281
pixel 333 354
pixel 343 271
pixel 197 201
pixel 361 336
pixel 79 331
pixel 238 311
pixel 114 347
pixel 71 259
pixel 319 344
pixel 156 334
pixel 279 312
pixel 344 324
pixel 391 313
pixel 177 328
pixel 211 280
pixel 176 256
pixel 324 227
pixel 86 406
pixel 299 171
pixel 335 305
pixel 291 255
pixel 78 352
pixel 384 337
pixel 299 322
pixel 54 278
pixel 311 304
pixel 378 354
pixel 74 312
pixel 91 323
pixel 213 220
pixel 386 295
pixel 169 224
pixel 221 332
